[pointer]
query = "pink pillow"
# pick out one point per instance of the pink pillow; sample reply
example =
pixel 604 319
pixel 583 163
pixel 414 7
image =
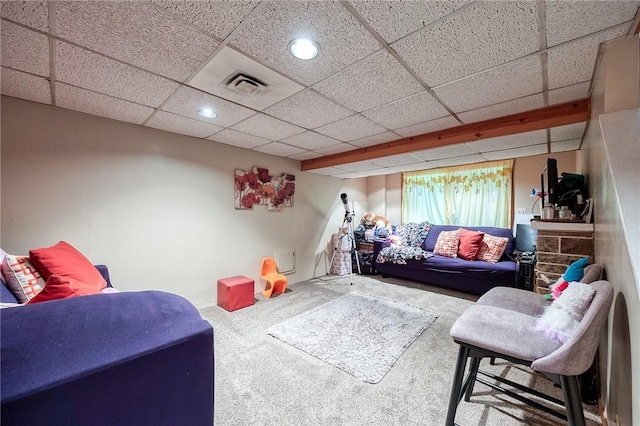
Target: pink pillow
pixel 470 243
pixel 64 260
pixel 447 243
pixel 492 248
pixel 58 287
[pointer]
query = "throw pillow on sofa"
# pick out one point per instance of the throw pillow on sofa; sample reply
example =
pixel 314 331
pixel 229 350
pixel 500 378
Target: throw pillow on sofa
pixel 492 248
pixel 64 260
pixel 58 287
pixel 470 243
pixel 447 243
pixel 22 278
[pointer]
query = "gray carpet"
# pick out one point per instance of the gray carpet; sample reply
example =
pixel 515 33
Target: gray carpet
pixel 260 380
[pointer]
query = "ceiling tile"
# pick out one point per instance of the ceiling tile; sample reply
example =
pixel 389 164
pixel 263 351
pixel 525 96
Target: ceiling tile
pixel 394 20
pixel 328 171
pixel 457 161
pixel 372 82
pixel 239 139
pixel 574 62
pixel 406 112
pixel 428 127
pixel 342 39
pixel 568 145
pixel 524 151
pixel 267 127
pixel 358 166
pixel 514 80
pixel 515 106
pixel 280 149
pixel 216 17
pixel 142 35
pixel 25 50
pixel 25 86
pixel 91 71
pixel 568 20
pixel 396 160
pixel 305 156
pixel 375 139
pixel 424 165
pixel 187 101
pixel 481 36
pixel 308 109
pixel 535 137
pixel 178 124
pixel 82 100
pixel 352 175
pixel 33 13
pixel 569 93
pixel 310 140
pixel 449 151
pixel 569 131
pixel 335 149
pixel 351 128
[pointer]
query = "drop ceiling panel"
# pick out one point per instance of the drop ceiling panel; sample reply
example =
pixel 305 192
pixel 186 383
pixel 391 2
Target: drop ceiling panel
pixel 95 72
pixel 573 62
pixel 358 166
pixel 568 20
pixel 406 112
pixel 176 123
pixel 372 82
pixel 142 35
pixel 526 103
pixel 568 145
pixel 570 131
pixel 394 20
pixel 216 17
pixel 309 109
pixel 239 139
pixel 375 139
pixel 449 151
pixel 267 127
pixel 481 36
pixel 25 86
pixel 510 142
pixel 514 80
pixel 353 175
pixel 351 128
pixel 310 140
pixel 187 101
pixel 424 165
pixel 342 39
pixel 569 93
pixel 524 151
pixel 467 159
pixel 335 149
pixel 82 100
pixel 328 171
pixel 25 50
pixel 396 160
pixel 34 13
pixel 428 127
pixel 305 156
pixel 280 149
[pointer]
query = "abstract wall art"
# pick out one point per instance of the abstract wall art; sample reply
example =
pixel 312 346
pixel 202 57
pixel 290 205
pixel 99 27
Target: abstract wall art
pixel 259 187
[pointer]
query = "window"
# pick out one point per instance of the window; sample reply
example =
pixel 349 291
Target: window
pixel 471 195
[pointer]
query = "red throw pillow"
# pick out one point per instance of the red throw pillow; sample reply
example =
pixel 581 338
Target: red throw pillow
pixel 58 287
pixel 470 243
pixel 64 260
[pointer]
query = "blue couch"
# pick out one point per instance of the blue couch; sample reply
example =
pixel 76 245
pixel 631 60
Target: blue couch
pixel 474 277
pixel 129 358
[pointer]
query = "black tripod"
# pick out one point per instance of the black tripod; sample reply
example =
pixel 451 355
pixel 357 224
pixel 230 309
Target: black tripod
pixel 346 231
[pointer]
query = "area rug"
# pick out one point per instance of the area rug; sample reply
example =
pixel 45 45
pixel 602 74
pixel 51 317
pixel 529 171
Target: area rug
pixel 361 334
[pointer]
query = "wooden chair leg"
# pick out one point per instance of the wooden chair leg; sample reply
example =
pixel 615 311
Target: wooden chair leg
pixel 456 387
pixel 572 400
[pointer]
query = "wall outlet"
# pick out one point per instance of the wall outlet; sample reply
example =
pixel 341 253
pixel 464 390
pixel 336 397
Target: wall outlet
pixel 521 211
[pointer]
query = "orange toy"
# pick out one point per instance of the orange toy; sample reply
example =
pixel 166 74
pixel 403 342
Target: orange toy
pixel 275 281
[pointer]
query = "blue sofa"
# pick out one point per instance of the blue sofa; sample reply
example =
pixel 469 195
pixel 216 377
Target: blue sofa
pixel 129 358
pixel 474 277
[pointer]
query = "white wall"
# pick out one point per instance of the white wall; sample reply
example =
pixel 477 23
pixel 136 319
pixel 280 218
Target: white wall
pixel 156 207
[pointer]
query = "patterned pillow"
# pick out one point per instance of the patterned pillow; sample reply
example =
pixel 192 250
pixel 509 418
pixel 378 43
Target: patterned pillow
pixel 447 243
pixel 22 278
pixel 492 248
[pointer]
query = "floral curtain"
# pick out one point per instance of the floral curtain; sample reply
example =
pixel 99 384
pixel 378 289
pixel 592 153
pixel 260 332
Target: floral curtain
pixel 471 195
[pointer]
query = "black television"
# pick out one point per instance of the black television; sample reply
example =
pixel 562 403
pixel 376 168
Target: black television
pixel 550 172
pixel 525 238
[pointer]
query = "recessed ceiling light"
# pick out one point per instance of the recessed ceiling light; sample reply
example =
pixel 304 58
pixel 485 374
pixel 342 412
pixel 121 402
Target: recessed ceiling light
pixel 303 48
pixel 207 113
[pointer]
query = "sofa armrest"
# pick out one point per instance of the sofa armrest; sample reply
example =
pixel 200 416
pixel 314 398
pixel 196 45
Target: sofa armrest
pixel 122 358
pixel 378 245
pixel 104 271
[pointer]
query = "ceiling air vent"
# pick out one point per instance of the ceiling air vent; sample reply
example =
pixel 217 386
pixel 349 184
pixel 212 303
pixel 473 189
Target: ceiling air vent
pixel 246 85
